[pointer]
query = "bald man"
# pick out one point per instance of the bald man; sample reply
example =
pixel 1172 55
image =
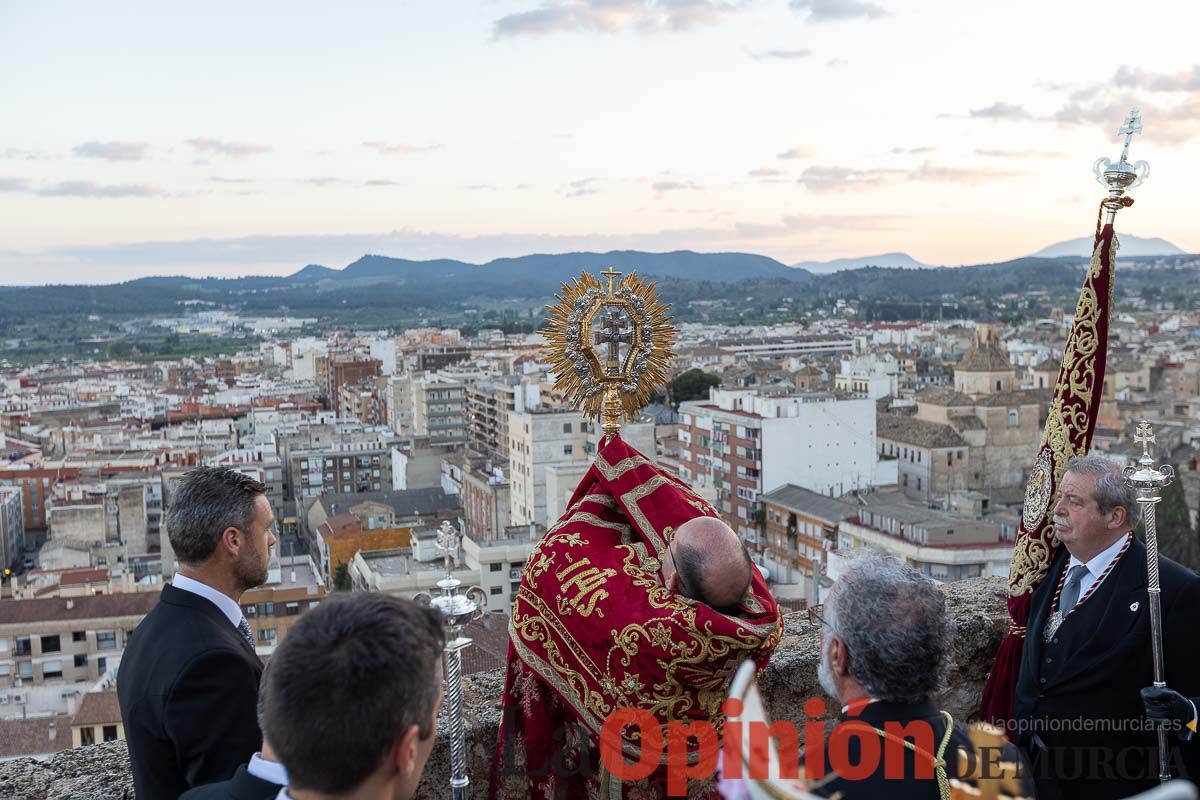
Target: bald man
pixel 708 563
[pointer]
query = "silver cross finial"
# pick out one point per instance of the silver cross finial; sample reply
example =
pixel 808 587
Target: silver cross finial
pixel 1132 125
pixel 1144 437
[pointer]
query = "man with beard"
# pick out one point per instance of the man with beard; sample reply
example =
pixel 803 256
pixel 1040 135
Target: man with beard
pixel 1078 706
pixel 188 683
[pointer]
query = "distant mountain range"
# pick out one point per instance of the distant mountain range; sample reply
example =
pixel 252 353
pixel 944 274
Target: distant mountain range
pixel 893 260
pixel 1130 246
pixel 383 288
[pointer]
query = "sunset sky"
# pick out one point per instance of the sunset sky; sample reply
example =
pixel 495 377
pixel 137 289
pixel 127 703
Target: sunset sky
pixel 255 138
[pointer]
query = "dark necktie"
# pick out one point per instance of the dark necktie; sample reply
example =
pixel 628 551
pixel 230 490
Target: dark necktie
pixel 244 630
pixel 1070 592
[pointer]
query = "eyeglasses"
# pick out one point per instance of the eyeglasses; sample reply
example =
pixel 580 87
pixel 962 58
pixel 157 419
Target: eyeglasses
pixel 814 616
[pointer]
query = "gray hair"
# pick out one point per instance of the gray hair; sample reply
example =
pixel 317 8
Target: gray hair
pixel 894 624
pixel 1111 490
pixel 207 501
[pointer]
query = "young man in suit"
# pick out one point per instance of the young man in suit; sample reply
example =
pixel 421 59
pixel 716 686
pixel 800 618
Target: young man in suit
pixel 352 698
pixel 188 683
pixel 1078 708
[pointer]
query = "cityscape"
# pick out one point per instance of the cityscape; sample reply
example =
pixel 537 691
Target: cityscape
pixel 335 251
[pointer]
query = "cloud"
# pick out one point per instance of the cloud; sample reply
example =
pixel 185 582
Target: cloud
pixel 836 62
pixel 765 173
pixel 1020 153
pixel 218 147
pixel 323 181
pixel 93 189
pixel 796 152
pixel 382 182
pixel 14 184
pixel 836 10
pixel 20 154
pixel 837 178
pixel 662 187
pixel 219 179
pixel 1000 110
pixel 786 55
pixel 910 151
pixel 1170 103
pixel 612 16
pixel 399 149
pixel 580 188
pixel 112 151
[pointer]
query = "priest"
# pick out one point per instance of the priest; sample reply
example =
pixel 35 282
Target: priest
pixel 639 597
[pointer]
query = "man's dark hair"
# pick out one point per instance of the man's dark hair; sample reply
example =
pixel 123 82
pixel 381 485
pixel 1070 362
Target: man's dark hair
pixel 206 502
pixel 351 677
pixel 695 582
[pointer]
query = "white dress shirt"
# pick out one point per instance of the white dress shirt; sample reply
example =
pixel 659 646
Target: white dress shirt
pixel 222 601
pixel 269 771
pixel 1095 567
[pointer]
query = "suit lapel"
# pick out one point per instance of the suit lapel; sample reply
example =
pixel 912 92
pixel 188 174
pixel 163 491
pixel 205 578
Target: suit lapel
pixel 1125 585
pixel 1039 610
pixel 245 786
pixel 178 597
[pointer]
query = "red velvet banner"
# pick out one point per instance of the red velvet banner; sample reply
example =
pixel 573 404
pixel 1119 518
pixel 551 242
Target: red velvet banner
pixel 595 630
pixel 1068 432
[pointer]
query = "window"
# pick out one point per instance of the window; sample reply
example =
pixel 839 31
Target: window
pixel 110 733
pixel 999 385
pixel 495 567
pixel 568 449
pixel 102 665
pixel 51 670
pixel 949 459
pixel 87 735
pixel 1012 419
pixel 25 670
pixel 497 589
pixel 5 670
pixel 106 640
pixel 267 636
pixel 918 484
pixel 81 661
pixel 292 609
pixel 78 636
pixel 249 610
pixel 266 609
pixel 566 427
pixel 51 644
pixel 24 648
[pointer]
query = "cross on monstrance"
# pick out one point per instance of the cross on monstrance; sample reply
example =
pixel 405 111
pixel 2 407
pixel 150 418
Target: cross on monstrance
pixel 1144 437
pixel 614 335
pixel 1132 125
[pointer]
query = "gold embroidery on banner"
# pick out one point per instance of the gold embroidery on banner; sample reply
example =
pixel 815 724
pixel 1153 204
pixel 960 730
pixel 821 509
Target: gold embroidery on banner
pixel 537 566
pixel 588 581
pixel 613 471
pixel 591 519
pixel 1069 413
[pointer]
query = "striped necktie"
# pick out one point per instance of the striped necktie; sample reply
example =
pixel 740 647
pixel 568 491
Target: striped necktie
pixel 247 635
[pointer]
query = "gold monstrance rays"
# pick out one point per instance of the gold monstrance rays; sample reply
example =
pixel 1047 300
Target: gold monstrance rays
pixel 610 345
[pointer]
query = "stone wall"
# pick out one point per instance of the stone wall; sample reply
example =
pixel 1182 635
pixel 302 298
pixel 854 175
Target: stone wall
pixel 976 606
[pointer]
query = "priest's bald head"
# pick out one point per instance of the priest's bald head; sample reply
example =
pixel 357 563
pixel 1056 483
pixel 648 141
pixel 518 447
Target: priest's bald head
pixel 707 562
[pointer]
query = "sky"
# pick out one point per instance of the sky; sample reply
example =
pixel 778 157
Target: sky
pixel 241 138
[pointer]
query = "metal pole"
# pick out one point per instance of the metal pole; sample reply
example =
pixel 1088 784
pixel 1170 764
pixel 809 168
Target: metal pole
pixel 457 610
pixel 1149 483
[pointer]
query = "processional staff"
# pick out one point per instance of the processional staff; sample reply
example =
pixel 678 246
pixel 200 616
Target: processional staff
pixel 1149 481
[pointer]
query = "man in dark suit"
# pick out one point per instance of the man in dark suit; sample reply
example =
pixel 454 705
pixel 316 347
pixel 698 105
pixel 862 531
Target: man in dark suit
pixel 188 682
pixel 261 779
pixel 885 639
pixel 1078 707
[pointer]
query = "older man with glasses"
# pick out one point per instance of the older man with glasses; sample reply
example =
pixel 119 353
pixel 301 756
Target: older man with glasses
pixel 885 638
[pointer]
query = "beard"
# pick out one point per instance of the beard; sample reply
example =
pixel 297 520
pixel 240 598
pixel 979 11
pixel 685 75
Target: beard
pixel 824 673
pixel 250 570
